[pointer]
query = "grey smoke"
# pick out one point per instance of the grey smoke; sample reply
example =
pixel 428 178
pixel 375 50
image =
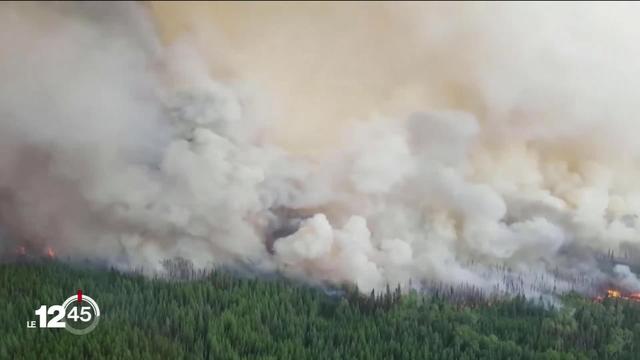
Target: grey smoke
pixel 626 278
pixel 115 147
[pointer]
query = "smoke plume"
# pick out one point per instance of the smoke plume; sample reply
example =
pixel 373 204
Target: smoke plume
pixel 626 278
pixel 338 143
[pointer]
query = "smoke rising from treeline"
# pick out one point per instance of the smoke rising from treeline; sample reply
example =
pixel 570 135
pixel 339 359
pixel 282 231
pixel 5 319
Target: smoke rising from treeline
pixel 443 140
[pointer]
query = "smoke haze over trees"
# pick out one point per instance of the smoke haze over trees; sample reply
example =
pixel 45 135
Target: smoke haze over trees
pixel 485 135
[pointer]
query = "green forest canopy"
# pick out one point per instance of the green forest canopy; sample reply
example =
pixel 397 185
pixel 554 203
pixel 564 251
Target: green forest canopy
pixel 222 316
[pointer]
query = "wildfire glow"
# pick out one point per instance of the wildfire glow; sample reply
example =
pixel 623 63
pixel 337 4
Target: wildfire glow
pixel 617 294
pixel 50 252
pixel 613 293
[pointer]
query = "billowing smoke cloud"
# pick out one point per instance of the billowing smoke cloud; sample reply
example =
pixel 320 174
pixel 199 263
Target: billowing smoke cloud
pixel 626 278
pixel 486 137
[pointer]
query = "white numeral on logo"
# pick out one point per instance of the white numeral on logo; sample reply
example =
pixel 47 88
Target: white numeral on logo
pixel 55 322
pixel 41 313
pixel 85 314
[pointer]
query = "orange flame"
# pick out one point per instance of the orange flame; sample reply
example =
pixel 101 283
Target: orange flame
pixel 50 252
pixel 613 293
pixel 617 294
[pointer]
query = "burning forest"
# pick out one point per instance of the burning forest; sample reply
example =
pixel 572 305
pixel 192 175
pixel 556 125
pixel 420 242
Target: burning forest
pixel 411 144
pixel 613 293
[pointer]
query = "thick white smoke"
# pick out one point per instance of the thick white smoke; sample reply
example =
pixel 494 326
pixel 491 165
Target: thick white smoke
pixel 115 147
pixel 626 278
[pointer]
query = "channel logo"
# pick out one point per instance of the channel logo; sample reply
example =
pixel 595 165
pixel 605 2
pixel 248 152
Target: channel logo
pixel 79 314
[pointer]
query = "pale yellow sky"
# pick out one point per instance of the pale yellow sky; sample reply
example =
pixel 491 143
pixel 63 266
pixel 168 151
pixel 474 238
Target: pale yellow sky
pixel 320 65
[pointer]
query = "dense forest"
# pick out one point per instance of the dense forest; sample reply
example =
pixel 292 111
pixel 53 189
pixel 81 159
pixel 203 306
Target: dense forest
pixel 223 316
